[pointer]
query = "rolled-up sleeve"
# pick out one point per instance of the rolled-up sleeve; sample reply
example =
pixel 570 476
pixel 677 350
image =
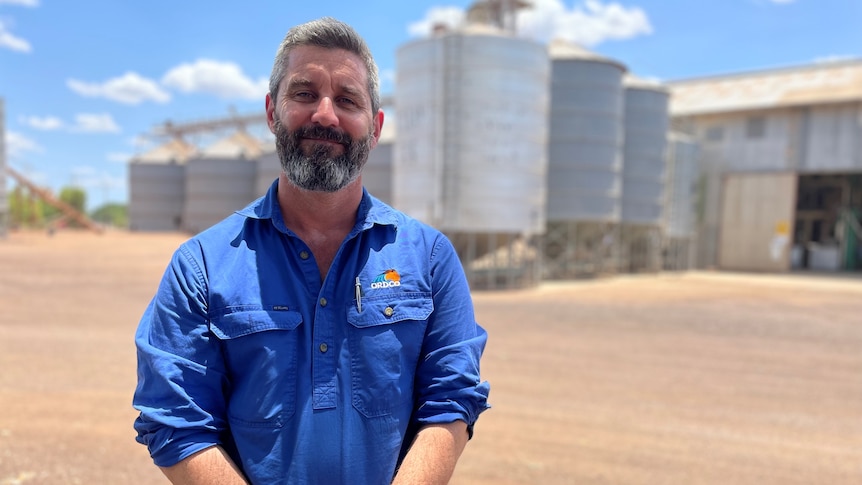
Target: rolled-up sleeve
pixel 181 374
pixel 448 382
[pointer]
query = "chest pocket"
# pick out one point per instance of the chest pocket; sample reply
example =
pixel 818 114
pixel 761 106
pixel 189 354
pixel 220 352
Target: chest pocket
pixel 260 351
pixel 385 342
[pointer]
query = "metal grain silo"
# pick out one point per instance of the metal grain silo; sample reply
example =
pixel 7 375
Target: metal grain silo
pixel 220 181
pixel 680 218
pixel 644 170
pixel 471 159
pixel 584 162
pixel 377 173
pixel 268 169
pixel 157 187
pixel 644 158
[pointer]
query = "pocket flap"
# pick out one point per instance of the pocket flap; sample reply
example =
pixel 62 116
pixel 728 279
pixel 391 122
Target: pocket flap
pixel 387 311
pixel 234 324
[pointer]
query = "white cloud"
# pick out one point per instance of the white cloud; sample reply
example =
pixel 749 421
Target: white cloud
pixel 84 123
pixel 47 123
pixel 21 3
pixel 118 157
pixel 223 79
pixel 588 23
pixel 18 144
pixel 451 17
pixel 95 123
pixel 11 42
pixel 130 88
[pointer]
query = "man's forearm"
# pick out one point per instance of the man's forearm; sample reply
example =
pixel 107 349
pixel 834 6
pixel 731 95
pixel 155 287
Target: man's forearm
pixel 205 467
pixel 432 456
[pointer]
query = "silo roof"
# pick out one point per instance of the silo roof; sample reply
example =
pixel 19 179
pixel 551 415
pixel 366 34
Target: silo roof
pixel 174 151
pixel 238 145
pixel 560 49
pixel 632 81
pixel 820 83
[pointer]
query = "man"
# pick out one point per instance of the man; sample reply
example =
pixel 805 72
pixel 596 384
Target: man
pixel 318 335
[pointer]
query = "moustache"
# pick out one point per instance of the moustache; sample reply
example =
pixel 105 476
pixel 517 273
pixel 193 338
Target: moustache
pixel 323 133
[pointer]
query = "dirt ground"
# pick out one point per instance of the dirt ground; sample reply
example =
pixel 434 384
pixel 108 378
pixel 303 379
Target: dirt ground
pixel 696 378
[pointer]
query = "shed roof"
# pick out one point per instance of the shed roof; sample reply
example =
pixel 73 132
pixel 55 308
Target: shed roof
pixel 820 83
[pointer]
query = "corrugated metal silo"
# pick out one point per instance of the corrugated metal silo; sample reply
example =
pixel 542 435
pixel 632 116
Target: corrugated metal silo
pixel 584 162
pixel 683 176
pixel 157 187
pixel 4 199
pixel 644 170
pixel 644 159
pixel 268 169
pixel 586 136
pixel 377 173
pixel 472 109
pixel 680 218
pixel 220 181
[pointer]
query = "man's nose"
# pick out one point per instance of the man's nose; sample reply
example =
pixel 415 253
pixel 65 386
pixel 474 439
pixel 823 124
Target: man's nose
pixel 325 115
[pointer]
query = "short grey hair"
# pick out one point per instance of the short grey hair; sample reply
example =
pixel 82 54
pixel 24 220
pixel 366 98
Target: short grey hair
pixel 328 33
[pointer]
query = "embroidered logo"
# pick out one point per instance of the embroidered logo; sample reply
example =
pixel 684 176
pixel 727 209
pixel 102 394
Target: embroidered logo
pixel 386 279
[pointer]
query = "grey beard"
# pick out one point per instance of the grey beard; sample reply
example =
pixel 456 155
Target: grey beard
pixel 319 170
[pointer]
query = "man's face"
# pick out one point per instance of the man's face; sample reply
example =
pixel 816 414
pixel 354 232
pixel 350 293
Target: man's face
pixel 322 119
pixel 316 166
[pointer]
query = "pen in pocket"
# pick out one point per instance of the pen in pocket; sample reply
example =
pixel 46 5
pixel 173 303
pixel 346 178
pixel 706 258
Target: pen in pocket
pixel 358 295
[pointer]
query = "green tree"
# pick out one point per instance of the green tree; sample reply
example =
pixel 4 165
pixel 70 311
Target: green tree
pixel 75 197
pixel 25 210
pixel 111 213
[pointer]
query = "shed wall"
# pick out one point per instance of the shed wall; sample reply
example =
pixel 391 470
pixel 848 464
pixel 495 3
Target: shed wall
pixel 758 212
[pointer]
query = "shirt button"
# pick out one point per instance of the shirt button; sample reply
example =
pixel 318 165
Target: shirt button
pixel 303 254
pixel 323 302
pixel 323 348
pixel 388 311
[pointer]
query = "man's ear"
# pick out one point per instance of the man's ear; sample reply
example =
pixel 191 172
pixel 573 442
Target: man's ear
pixel 378 126
pixel 270 112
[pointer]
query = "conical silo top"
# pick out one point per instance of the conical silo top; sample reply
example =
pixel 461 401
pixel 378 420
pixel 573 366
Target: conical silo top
pixel 238 145
pixel 560 49
pixel 635 82
pixel 173 151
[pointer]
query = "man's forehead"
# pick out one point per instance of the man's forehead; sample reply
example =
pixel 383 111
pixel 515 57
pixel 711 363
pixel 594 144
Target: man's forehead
pixel 331 60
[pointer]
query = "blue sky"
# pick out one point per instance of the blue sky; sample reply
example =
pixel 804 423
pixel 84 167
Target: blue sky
pixel 83 81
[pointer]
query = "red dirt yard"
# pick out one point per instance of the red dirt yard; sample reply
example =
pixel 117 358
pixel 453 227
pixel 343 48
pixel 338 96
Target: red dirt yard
pixel 695 378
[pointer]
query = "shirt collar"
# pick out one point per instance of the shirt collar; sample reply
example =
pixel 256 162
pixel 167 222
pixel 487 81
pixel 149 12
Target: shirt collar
pixel 371 210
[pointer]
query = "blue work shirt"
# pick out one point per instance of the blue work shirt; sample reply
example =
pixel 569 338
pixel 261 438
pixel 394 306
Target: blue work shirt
pixel 299 380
